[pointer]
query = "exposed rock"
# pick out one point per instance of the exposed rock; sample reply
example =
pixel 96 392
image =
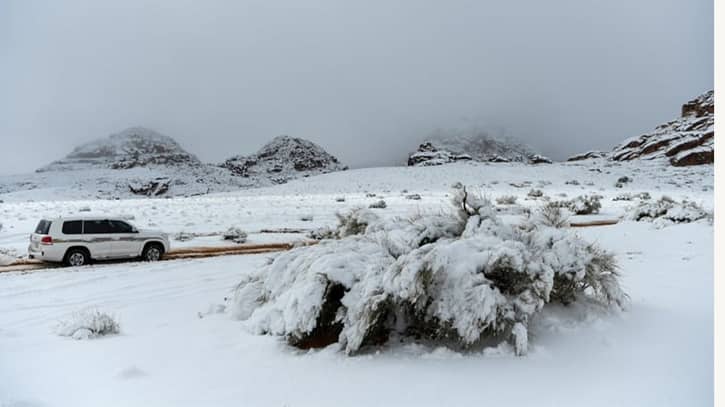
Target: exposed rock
pixel 285 157
pixel 539 159
pixel 428 155
pixel 688 140
pixel 587 155
pixel 452 146
pixel 156 187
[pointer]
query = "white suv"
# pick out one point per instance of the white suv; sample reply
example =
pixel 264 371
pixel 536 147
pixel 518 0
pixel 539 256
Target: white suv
pixel 75 241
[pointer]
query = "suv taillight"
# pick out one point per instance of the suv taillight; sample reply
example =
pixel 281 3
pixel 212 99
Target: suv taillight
pixel 46 240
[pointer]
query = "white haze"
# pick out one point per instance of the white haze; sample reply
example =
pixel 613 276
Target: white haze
pixel 366 80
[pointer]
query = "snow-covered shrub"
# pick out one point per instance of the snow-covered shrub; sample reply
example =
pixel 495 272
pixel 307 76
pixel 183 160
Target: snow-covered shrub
pixel 585 204
pixel 354 222
pixel 378 205
pixel 627 196
pixel 414 197
pixel 306 217
pixel 572 182
pixel 552 215
pixel 370 195
pixel 622 180
pixel 461 279
pixel 235 234
pixel 506 200
pixel 89 323
pixel 340 199
pixel 666 210
pixel 322 233
pixel 535 193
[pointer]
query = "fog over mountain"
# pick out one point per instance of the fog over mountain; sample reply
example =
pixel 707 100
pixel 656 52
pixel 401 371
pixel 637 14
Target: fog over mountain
pixel 367 81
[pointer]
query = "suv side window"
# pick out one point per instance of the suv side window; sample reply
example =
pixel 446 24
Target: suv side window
pixel 91 227
pixel 73 227
pixel 121 227
pixel 43 227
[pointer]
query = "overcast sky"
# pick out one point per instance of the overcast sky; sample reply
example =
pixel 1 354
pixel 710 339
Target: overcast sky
pixel 366 79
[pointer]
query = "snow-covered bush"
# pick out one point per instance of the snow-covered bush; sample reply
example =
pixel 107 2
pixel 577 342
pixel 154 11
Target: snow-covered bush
pixel 666 210
pixel 322 233
pixel 307 217
pixel 235 234
pixel 585 204
pixel 340 199
pixel 506 200
pixel 89 323
pixel 552 215
pixel 354 222
pixel 622 180
pixel 378 205
pixel 414 197
pixel 461 279
pixel 535 193
pixel 627 196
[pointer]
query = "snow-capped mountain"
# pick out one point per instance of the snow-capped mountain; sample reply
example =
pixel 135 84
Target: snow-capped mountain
pixel 282 159
pixel 687 140
pixel 131 148
pixel 458 145
pixel 142 162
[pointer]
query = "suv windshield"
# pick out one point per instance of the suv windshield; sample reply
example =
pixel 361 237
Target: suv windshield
pixel 43 227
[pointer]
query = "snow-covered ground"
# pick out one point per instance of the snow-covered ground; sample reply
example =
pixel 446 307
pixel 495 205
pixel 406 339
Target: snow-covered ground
pixel 176 348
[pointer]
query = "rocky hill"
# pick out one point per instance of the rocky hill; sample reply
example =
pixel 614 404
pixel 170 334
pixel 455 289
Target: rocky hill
pixel 143 162
pixel 131 148
pixel 687 140
pixel 282 159
pixel 452 146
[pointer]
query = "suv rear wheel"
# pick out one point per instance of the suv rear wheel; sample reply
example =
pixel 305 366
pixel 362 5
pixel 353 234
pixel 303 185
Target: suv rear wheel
pixel 76 257
pixel 152 252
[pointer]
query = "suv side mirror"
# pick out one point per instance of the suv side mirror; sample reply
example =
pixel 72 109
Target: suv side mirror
pixel 134 230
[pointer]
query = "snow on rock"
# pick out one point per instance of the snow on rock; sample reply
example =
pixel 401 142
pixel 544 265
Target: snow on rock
pixel 142 162
pixel 284 158
pixel 457 278
pixel 132 147
pixel 687 140
pixel 459 145
pixel 587 155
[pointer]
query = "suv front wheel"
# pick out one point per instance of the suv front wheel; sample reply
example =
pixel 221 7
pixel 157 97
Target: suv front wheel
pixel 152 252
pixel 76 257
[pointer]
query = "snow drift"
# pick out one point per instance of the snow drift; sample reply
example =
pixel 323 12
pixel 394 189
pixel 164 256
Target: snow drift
pixel 460 279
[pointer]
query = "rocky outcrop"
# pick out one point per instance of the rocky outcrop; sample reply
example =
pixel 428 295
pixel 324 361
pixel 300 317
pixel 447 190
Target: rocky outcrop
pixel 687 140
pixel 587 155
pixel 428 154
pixel 282 159
pixel 450 147
pixel 131 148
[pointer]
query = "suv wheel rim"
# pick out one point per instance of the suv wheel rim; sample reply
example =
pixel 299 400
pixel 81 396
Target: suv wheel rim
pixel 153 254
pixel 77 259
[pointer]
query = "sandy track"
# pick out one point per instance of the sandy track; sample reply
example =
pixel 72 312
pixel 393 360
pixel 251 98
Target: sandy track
pixel 174 254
